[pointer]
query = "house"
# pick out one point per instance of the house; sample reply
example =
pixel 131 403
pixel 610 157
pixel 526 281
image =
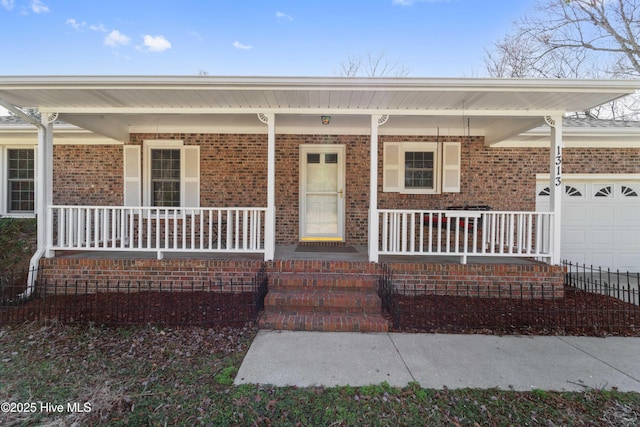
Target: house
pixel 453 175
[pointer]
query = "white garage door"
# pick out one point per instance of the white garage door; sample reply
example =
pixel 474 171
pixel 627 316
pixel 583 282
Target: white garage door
pixel 600 222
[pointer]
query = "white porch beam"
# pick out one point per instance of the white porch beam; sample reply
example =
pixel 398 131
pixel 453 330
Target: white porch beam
pixel 374 223
pixel 270 215
pixel 335 110
pixel 555 186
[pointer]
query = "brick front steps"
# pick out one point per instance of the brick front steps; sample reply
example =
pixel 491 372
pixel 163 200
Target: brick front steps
pixel 323 296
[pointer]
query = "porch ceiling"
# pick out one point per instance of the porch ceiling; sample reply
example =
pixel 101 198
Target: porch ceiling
pixel 116 106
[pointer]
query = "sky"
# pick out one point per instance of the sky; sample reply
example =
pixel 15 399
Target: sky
pixel 428 38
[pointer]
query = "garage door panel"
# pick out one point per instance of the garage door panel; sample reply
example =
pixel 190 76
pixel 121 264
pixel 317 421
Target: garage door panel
pixel 628 238
pixel 576 237
pixel 628 213
pixel 602 237
pixel 575 213
pixel 602 214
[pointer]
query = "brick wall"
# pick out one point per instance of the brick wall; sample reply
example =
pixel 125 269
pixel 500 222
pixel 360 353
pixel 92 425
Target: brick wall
pixel 482 280
pixel 87 175
pixel 174 274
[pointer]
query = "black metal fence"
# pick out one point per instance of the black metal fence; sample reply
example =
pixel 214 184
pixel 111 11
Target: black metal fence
pixel 621 285
pixel 587 307
pixel 202 303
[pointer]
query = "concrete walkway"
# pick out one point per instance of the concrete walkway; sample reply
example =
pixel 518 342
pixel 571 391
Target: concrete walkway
pixel 522 363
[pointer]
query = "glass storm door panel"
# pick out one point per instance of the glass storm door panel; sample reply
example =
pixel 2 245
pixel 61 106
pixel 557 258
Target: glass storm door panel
pixel 322 192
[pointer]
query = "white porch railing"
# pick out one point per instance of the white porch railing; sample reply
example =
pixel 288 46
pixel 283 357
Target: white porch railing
pixel 465 233
pixel 116 228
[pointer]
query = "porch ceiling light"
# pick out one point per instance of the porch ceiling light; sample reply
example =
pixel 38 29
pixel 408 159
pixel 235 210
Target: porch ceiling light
pixel 325 119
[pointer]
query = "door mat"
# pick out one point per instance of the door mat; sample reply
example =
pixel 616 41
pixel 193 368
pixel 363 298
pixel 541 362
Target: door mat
pixel 325 248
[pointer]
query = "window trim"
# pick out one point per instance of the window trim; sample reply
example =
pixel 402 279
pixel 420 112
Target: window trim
pixel 447 167
pixel 185 178
pixel 4 176
pixel 434 171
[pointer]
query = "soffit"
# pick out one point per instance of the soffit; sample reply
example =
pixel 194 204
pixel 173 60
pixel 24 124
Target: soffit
pixel 115 106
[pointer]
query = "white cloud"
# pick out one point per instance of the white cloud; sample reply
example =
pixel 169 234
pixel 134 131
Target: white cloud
pixel 282 15
pixel 38 7
pixel 239 45
pixel 116 38
pixel 98 27
pixel 78 26
pixel 156 43
pixel 7 4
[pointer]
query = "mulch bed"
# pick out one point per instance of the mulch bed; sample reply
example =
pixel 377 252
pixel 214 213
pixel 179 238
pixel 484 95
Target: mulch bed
pixel 135 308
pixel 578 313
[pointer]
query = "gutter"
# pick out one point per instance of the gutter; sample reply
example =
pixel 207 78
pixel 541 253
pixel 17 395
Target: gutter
pixel 35 259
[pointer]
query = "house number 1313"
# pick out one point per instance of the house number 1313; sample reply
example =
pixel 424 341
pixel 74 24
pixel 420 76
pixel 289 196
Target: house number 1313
pixel 558 167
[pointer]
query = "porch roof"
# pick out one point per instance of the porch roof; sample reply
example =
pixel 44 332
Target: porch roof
pixel 115 106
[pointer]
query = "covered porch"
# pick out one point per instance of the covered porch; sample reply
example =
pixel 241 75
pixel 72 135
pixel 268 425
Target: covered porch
pixel 446 121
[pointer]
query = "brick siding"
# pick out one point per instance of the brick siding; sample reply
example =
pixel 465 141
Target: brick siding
pixel 530 281
pixel 174 274
pixel 89 175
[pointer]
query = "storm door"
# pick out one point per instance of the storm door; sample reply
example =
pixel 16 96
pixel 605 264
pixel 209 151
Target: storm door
pixel 322 170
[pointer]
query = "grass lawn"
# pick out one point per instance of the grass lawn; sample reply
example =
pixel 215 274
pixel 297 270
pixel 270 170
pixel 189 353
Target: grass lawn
pixel 89 375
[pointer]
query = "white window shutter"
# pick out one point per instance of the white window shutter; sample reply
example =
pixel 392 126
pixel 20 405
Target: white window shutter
pixel 132 176
pixel 391 179
pixel 451 167
pixel 191 176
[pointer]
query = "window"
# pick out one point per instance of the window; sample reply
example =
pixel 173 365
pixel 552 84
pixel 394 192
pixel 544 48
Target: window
pixel 606 191
pixel 165 177
pixel 21 180
pixel 421 167
pixel 418 170
pixel 169 176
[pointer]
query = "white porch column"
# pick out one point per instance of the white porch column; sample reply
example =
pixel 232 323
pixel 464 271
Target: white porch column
pixel 44 184
pixel 374 223
pixel 555 186
pixel 270 215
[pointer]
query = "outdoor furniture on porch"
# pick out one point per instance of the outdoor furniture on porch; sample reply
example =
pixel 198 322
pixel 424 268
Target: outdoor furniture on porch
pixel 444 219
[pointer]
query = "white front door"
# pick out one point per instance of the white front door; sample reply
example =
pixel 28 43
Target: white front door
pixel 322 170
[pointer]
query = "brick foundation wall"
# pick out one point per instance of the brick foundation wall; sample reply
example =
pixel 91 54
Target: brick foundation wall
pixel 174 274
pixel 482 280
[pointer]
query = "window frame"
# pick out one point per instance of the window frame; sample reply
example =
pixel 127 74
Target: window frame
pixel 434 171
pixel 185 177
pixel 394 166
pixel 174 180
pixel 5 206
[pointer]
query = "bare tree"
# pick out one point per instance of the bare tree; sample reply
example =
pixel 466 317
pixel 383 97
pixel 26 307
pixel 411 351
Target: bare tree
pixel 372 65
pixel 574 38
